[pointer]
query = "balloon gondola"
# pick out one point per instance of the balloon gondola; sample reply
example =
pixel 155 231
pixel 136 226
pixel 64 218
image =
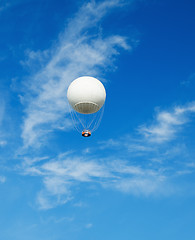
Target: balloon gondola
pixel 86 96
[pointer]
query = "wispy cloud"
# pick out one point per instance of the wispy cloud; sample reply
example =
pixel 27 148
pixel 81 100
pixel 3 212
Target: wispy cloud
pixel 159 145
pixel 159 141
pixel 76 53
pixel 167 124
pixel 62 175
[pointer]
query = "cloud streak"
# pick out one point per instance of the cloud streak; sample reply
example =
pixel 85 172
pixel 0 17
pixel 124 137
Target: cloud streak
pixel 167 124
pixel 152 141
pixel 61 175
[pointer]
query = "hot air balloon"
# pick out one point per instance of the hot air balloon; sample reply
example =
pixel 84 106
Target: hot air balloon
pixel 86 96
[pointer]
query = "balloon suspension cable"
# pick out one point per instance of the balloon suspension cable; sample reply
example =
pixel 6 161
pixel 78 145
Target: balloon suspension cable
pixel 86 123
pixel 78 121
pixel 75 121
pixel 98 120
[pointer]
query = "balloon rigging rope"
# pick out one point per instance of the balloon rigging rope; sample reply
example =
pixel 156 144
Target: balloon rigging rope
pixel 72 113
pixel 98 120
pixel 97 117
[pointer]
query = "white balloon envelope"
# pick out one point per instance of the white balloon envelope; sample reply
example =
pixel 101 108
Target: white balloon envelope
pixel 86 95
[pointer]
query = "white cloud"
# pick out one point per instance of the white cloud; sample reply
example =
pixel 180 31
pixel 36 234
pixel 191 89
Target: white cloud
pixel 62 175
pixel 78 169
pixel 56 192
pixel 142 186
pixel 76 53
pixel 165 127
pixel 167 124
pixel 159 142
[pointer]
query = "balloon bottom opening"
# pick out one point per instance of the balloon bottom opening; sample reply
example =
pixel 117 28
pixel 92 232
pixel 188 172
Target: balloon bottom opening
pixel 86 107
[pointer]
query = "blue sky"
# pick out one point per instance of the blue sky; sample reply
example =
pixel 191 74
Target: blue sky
pixel 134 178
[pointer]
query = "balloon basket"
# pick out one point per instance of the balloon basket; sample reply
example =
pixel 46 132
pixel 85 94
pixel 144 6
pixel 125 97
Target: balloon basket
pixel 86 133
